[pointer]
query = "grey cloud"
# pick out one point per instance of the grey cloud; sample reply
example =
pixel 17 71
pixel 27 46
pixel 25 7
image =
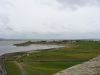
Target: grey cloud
pixel 4 24
pixel 79 3
pixel 4 4
pixel 26 20
pixel 4 19
pixel 4 16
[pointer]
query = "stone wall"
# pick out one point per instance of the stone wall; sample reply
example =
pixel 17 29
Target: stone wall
pixel 91 67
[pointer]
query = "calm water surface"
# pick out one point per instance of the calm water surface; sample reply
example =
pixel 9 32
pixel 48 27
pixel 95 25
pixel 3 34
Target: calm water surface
pixel 8 47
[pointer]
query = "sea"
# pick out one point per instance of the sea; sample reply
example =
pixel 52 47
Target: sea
pixel 7 46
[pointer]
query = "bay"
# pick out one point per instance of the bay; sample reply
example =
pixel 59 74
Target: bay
pixel 8 47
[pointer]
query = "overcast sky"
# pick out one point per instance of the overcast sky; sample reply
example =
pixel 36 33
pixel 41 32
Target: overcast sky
pixel 52 19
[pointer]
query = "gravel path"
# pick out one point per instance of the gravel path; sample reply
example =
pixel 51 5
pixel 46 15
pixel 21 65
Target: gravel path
pixel 91 67
pixel 21 68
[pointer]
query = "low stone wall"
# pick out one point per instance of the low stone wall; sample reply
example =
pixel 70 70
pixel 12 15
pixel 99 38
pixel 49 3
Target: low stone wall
pixel 91 67
pixel 2 69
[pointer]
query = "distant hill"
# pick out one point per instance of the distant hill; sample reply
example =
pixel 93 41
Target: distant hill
pixel 2 39
pixel 6 39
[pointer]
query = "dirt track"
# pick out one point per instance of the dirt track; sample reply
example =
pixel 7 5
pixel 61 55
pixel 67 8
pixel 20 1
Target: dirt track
pixel 20 68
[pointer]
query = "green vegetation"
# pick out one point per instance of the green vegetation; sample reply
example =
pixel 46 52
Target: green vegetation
pixel 52 61
pixel 12 68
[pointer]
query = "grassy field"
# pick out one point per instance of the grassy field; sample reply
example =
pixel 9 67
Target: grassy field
pixel 52 61
pixel 12 68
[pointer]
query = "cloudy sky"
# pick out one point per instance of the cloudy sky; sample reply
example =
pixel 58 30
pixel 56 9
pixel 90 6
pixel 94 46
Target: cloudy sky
pixel 50 19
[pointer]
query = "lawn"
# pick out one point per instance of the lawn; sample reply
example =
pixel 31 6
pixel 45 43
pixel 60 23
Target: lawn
pixel 52 61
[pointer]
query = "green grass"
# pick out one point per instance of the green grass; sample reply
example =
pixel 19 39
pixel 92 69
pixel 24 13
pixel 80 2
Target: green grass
pixel 50 62
pixel 46 68
pixel 12 68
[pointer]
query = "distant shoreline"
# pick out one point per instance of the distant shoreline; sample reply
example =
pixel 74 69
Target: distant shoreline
pixel 31 51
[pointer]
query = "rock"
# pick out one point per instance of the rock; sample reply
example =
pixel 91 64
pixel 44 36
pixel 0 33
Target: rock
pixel 91 67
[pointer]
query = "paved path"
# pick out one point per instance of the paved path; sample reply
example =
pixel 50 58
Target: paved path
pixel 91 67
pixel 21 68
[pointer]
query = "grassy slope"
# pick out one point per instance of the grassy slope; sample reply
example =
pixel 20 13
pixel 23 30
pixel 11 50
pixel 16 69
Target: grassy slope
pixel 49 62
pixel 11 68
